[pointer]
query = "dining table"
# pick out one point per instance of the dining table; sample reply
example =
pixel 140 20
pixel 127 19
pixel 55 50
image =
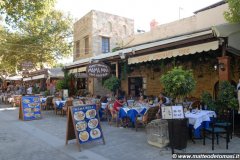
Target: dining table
pixel 199 119
pixel 60 104
pixel 132 112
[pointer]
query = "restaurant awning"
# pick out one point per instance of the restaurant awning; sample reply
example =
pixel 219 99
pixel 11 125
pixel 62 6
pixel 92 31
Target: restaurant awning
pixel 14 78
pixel 27 79
pixel 232 33
pixel 55 73
pixel 77 70
pixel 175 52
pixel 39 77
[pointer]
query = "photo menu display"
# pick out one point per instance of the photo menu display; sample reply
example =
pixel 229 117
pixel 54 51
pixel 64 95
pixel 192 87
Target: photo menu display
pixel 31 107
pixel 86 123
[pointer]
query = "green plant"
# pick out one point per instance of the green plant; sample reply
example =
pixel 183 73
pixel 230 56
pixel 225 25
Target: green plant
pixel 46 93
pixel 178 82
pixel 207 100
pixel 112 84
pixel 64 83
pixel 226 96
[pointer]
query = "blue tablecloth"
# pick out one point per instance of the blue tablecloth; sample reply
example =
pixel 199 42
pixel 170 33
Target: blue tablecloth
pixel 60 104
pixel 131 112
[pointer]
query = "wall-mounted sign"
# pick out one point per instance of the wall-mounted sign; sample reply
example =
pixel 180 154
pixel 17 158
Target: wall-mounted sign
pixel 27 64
pixel 98 70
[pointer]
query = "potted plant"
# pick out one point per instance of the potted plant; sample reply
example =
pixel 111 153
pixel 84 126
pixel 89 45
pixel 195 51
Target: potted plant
pixel 112 84
pixel 207 101
pixel 178 83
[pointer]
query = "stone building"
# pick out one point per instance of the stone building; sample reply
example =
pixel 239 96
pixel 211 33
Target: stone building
pixel 97 33
pixel 199 42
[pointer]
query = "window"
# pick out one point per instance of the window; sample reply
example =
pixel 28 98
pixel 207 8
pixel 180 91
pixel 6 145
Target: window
pixel 105 45
pixel 77 46
pixel 86 40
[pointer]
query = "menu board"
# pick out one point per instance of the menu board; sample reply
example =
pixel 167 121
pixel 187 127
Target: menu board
pixel 172 112
pixel 85 122
pixel 30 108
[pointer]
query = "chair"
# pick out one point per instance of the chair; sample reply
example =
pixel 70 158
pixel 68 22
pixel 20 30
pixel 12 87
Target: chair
pixel 54 105
pixel 114 115
pixel 195 104
pixel 216 131
pixel 48 104
pixel 150 115
pixel 66 106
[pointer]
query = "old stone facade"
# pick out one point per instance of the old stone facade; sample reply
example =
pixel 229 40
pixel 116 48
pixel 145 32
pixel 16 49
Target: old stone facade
pixel 97 30
pixel 90 29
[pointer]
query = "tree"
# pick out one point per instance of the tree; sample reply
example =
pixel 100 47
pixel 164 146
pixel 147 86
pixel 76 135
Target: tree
pixel 18 11
pixel 233 15
pixel 38 33
pixel 178 82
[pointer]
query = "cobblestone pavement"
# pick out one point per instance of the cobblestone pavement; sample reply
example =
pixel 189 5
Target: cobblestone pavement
pixel 45 140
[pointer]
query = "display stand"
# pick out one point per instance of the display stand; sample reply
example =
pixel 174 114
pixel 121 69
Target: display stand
pixel 29 108
pixel 170 113
pixel 83 124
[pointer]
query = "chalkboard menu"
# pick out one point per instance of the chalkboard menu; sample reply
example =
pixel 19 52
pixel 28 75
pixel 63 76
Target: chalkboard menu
pixel 30 108
pixel 84 122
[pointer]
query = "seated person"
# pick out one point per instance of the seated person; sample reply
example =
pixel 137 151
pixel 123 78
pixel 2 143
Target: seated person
pixel 141 101
pixel 118 103
pixel 165 100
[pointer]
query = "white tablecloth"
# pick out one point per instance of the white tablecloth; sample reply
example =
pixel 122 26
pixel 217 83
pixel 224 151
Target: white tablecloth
pixel 196 118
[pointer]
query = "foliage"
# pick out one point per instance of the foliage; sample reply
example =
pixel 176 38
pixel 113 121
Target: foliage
pixel 18 11
pixel 233 15
pixel 207 99
pixel 112 84
pixel 63 83
pixel 37 33
pixel 178 82
pixel 226 96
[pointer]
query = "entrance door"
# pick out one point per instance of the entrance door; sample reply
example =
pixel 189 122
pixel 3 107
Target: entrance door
pixel 135 86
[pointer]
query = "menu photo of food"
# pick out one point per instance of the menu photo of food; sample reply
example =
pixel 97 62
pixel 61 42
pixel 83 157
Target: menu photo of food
pixel 79 116
pixel 32 105
pixel 29 114
pixel 81 126
pixel 91 113
pixel 93 123
pixel 36 99
pixel 95 133
pixel 26 101
pixel 84 136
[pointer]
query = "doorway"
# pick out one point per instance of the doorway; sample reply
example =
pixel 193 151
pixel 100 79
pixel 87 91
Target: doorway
pixel 135 87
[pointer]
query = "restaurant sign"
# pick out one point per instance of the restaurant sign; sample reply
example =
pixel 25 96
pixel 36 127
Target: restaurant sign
pixel 98 70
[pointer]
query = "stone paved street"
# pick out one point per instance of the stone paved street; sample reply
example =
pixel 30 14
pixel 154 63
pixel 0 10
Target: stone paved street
pixel 45 140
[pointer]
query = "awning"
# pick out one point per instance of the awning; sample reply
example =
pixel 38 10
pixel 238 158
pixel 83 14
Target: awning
pixel 55 73
pixel 232 32
pixel 77 70
pixel 175 52
pixel 39 77
pixel 14 78
pixel 27 79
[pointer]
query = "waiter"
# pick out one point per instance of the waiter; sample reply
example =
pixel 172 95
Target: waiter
pixel 238 92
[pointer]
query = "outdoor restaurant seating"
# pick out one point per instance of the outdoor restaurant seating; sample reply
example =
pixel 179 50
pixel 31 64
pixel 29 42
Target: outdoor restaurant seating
pixel 65 108
pixel 57 105
pixel 216 131
pixel 48 103
pixel 150 114
pixel 114 115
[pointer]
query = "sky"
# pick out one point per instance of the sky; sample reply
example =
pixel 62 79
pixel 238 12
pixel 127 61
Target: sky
pixel 141 11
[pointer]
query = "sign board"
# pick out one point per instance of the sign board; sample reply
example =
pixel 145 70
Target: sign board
pixel 65 93
pixel 30 108
pixel 172 112
pixel 17 100
pixel 83 124
pixel 27 64
pixel 98 70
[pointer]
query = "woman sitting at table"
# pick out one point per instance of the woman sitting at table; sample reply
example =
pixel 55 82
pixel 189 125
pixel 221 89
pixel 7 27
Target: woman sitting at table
pixel 141 101
pixel 118 104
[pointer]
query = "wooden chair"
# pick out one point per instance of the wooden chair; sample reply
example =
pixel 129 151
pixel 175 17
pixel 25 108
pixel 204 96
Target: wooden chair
pixel 150 115
pixel 56 109
pixel 114 115
pixel 66 106
pixel 195 104
pixel 216 131
pixel 48 104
